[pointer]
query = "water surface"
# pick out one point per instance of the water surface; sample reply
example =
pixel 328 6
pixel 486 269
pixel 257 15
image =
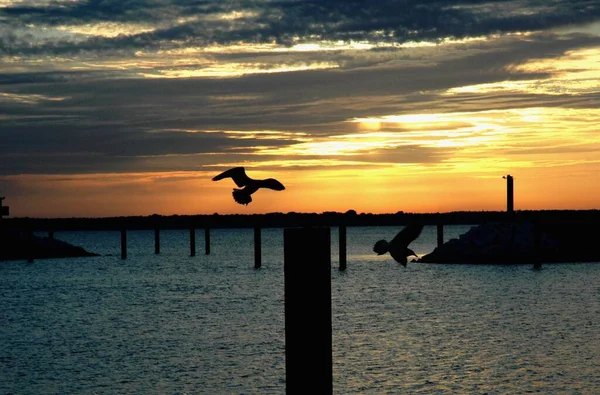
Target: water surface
pixel 175 324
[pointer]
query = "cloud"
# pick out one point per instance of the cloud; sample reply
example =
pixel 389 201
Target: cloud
pixel 76 99
pixel 33 29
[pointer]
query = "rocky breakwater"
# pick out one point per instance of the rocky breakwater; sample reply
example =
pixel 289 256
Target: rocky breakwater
pixel 16 245
pixel 514 243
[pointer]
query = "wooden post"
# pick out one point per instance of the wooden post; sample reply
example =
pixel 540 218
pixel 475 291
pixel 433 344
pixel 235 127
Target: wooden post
pixel 510 201
pixel 207 240
pixel 307 289
pixel 342 245
pixel 123 243
pixel 440 234
pixel 537 247
pixel 31 247
pixel 192 241
pixel 157 239
pixel 51 234
pixel 257 248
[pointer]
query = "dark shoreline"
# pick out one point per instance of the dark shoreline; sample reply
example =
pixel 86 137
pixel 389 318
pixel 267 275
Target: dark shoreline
pixel 574 231
pixel 271 220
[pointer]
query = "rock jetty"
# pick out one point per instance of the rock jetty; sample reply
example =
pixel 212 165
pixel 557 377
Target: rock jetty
pixel 517 242
pixel 15 245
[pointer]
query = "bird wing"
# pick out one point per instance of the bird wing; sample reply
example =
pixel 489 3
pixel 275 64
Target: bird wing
pixel 408 234
pixel 237 174
pixel 272 183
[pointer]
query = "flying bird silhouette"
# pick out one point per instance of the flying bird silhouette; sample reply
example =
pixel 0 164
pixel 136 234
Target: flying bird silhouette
pixel 398 247
pixel 238 175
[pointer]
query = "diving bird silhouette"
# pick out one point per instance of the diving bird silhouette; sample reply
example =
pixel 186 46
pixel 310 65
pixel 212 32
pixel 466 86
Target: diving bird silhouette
pixel 238 175
pixel 398 247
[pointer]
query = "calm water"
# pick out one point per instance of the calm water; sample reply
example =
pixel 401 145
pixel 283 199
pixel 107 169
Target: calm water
pixel 175 324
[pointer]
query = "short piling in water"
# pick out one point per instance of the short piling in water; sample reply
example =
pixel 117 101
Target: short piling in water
pixel 207 240
pixel 31 247
pixel 51 234
pixel 342 246
pixel 440 234
pixel 307 289
pixel 157 239
pixel 257 248
pixel 537 247
pixel 192 241
pixel 123 243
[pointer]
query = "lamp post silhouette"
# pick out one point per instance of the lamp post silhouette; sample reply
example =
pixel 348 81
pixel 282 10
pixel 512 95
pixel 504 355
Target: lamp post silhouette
pixel 510 201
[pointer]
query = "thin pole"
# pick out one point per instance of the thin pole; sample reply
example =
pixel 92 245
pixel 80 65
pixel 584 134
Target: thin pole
pixel 510 199
pixel 440 234
pixel 342 245
pixel 207 240
pixel 157 239
pixel 192 241
pixel 257 248
pixel 123 243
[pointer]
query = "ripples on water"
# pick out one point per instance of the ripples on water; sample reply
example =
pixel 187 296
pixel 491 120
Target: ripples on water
pixel 175 324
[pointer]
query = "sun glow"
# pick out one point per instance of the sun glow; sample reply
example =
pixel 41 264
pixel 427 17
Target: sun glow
pixel 471 142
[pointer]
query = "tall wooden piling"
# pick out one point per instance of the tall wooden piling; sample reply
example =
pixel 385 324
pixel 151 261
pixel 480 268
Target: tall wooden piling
pixel 257 248
pixel 308 333
pixel 440 234
pixel 123 243
pixel 192 241
pixel 207 240
pixel 510 200
pixel 51 234
pixel 157 239
pixel 342 246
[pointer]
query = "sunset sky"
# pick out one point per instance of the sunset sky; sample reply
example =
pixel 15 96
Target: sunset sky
pixel 130 107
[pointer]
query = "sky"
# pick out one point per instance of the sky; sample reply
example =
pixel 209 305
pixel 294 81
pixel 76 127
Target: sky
pixel 130 107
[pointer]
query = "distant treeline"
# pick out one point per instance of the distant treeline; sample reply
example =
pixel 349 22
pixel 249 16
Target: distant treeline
pixel 293 219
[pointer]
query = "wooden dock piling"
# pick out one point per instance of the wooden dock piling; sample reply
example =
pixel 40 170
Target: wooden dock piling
pixel 510 199
pixel 192 241
pixel 342 246
pixel 207 240
pixel 157 239
pixel 440 234
pixel 31 249
pixel 257 248
pixel 308 331
pixel 123 243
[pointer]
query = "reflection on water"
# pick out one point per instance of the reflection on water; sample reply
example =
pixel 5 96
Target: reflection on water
pixel 172 323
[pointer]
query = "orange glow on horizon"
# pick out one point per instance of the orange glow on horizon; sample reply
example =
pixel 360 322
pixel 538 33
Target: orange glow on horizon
pixel 374 191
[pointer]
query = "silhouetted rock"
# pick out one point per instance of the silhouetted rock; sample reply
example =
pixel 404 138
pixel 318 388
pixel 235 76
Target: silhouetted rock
pixel 499 243
pixel 24 245
pixel 516 242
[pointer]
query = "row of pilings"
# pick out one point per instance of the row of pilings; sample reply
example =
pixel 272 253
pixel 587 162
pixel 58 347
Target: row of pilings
pixel 257 243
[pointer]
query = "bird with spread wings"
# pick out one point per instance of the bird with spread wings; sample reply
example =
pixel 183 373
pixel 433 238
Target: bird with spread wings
pixel 248 185
pixel 398 247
